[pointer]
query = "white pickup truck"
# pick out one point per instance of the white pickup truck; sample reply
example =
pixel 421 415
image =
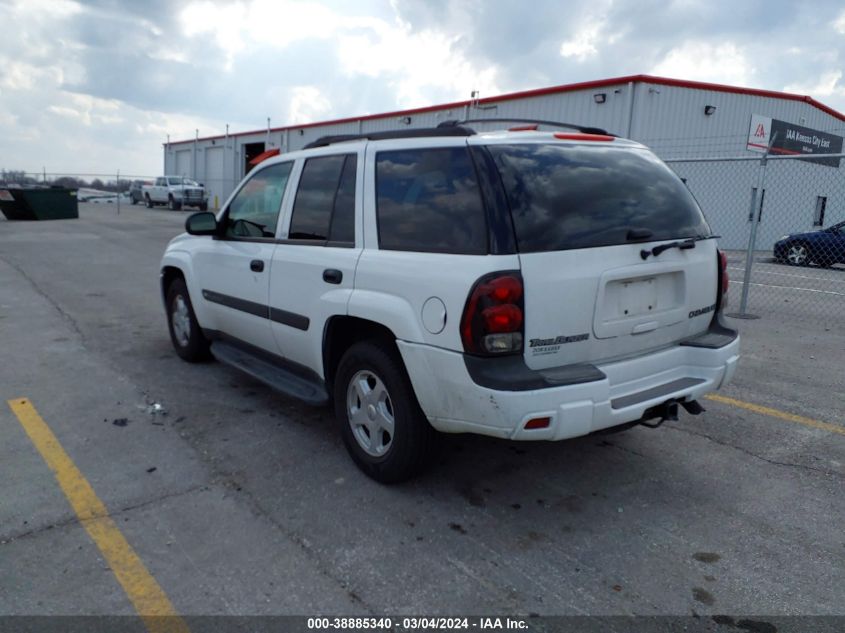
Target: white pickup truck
pixel 175 191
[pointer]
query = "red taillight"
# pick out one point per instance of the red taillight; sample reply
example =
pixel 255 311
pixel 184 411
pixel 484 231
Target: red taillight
pixel 507 289
pixel 493 316
pixel 583 137
pixel 724 280
pixel 503 318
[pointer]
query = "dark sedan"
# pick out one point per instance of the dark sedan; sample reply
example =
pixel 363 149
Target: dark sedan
pixel 825 247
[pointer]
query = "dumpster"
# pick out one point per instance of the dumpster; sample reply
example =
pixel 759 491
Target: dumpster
pixel 39 203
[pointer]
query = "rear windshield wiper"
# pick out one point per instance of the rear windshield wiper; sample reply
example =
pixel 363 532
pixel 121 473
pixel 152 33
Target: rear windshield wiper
pixel 681 244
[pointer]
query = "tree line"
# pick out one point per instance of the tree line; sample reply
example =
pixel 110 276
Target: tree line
pixel 19 177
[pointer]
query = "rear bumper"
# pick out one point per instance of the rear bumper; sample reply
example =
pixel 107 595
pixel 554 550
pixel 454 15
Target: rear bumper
pixel 613 394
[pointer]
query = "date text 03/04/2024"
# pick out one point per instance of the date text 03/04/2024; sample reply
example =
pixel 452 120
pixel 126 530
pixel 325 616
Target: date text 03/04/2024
pixel 417 623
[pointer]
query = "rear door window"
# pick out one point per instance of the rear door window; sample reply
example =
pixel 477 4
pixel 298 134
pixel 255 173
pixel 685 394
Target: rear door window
pixel 324 209
pixel 570 196
pixel 428 200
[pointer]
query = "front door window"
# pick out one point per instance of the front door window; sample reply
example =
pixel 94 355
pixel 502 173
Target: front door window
pixel 254 212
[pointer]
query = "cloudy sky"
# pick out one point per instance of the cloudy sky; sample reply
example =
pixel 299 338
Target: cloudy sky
pixel 95 86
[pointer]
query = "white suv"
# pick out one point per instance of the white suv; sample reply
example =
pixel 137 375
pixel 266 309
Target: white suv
pixel 528 285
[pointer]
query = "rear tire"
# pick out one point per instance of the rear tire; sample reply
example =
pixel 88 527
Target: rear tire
pixel 185 332
pixel 798 254
pixel 381 423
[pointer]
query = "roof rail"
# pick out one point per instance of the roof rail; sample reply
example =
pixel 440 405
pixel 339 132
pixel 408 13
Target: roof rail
pixel 584 129
pixel 452 130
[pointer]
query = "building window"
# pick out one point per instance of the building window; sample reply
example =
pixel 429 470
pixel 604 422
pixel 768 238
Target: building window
pixel 818 216
pixel 754 205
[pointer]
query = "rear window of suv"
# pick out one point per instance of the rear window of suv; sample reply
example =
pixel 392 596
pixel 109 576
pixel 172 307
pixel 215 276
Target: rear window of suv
pixel 569 196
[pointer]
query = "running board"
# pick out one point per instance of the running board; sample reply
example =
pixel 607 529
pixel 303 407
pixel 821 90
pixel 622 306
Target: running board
pixel 271 374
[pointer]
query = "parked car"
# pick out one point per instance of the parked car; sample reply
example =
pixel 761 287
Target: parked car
pixel 825 247
pixel 527 285
pixel 175 191
pixel 136 193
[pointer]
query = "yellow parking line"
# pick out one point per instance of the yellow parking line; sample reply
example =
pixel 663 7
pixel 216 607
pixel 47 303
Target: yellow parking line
pixel 143 591
pixel 775 413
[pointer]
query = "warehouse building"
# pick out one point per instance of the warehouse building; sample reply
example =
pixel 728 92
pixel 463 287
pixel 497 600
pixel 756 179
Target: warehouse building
pixel 686 123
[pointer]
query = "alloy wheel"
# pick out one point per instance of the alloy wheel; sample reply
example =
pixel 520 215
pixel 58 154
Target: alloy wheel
pixel 370 413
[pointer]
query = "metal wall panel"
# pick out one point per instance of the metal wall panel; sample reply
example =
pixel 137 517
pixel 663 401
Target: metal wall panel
pixel 669 119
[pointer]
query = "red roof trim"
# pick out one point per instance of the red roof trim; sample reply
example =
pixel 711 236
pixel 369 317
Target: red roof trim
pixel 540 92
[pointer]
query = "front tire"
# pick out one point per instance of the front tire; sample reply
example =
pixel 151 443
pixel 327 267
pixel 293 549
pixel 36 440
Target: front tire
pixel 172 204
pixel 185 332
pixel 148 201
pixel 381 423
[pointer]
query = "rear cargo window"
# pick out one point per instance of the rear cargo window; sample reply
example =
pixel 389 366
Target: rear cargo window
pixel 428 200
pixel 565 197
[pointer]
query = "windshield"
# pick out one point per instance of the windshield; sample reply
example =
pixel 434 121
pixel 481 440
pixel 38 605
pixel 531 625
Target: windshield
pixel 571 196
pixel 180 181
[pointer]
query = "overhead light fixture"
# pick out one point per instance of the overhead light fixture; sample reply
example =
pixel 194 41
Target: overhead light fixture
pixel 600 97
pixel 709 109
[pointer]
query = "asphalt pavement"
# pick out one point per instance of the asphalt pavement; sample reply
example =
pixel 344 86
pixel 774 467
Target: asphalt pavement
pixel 239 500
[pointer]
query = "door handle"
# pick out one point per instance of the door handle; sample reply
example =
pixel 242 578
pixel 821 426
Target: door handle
pixel 332 276
pixel 256 266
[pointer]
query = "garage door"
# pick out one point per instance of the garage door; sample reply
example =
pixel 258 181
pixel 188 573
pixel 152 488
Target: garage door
pixel 183 163
pixel 214 174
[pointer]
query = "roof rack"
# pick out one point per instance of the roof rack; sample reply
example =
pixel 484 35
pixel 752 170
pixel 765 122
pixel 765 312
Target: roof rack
pixel 584 129
pixel 452 130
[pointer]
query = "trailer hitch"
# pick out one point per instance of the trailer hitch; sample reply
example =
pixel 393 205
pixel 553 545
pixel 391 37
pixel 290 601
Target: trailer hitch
pixel 668 411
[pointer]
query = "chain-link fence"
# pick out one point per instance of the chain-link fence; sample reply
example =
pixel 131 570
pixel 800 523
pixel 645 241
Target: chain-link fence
pixel 782 222
pixel 118 190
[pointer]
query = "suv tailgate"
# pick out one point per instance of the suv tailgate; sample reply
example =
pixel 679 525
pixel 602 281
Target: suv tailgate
pixel 584 214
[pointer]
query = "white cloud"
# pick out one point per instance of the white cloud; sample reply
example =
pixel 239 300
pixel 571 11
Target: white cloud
pixel 703 61
pixel 839 24
pixel 588 32
pixel 277 23
pixel 827 85
pixel 583 45
pixel 415 64
pixel 308 104
pixel 91 84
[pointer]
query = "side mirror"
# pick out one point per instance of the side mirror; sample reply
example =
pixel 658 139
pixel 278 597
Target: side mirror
pixel 202 223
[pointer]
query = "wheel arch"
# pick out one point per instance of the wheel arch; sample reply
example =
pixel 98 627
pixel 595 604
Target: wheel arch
pixel 341 332
pixel 169 273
